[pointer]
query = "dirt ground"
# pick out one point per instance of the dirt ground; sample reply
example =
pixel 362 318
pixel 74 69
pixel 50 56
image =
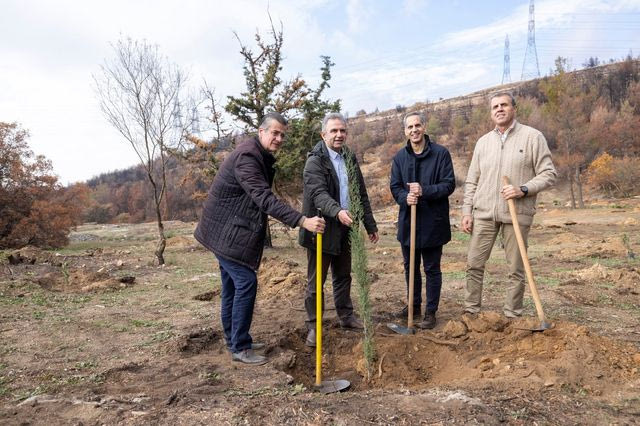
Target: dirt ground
pixel 96 334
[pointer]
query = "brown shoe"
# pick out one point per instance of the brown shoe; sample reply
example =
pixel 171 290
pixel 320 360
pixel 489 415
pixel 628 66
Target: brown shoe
pixel 429 321
pixel 352 323
pixel 404 313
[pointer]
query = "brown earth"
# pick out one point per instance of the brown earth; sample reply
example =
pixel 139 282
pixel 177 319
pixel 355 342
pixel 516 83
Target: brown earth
pixel 96 334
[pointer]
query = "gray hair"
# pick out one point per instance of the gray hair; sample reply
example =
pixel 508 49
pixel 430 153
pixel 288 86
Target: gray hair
pixel 332 116
pixel 504 93
pixel 423 119
pixel 272 116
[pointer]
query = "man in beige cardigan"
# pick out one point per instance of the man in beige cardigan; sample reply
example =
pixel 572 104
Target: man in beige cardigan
pixel 521 153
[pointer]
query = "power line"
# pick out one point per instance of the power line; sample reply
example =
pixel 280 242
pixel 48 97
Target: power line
pixel 506 70
pixel 530 66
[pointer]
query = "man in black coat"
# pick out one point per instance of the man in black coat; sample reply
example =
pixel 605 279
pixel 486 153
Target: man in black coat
pixel 326 187
pixel 233 226
pixel 422 174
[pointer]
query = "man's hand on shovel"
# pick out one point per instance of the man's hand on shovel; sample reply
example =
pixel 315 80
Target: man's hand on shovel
pixel 415 191
pixel 314 224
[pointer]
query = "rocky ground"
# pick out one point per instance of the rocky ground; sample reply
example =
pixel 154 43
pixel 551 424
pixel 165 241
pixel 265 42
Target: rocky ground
pixel 96 334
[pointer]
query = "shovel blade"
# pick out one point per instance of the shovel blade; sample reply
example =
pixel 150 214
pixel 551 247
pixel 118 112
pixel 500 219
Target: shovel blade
pixel 400 329
pixel 332 386
pixel 542 327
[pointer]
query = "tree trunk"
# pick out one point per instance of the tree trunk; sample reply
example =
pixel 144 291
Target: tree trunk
pixel 267 237
pixel 573 195
pixel 162 240
pixel 579 188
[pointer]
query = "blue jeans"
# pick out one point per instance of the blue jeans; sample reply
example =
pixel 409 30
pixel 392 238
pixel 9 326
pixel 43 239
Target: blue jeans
pixel 239 288
pixel 431 262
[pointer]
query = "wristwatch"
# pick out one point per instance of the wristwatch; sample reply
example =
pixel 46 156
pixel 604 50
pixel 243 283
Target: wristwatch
pixel 525 190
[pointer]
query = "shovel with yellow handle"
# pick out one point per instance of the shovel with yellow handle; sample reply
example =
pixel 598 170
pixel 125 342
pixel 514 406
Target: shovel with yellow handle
pixel 327 386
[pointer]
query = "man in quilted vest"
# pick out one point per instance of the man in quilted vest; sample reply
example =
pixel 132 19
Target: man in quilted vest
pixel 521 153
pixel 233 226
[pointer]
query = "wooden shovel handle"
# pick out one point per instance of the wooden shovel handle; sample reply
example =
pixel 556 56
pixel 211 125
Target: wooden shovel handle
pixel 412 264
pixel 523 254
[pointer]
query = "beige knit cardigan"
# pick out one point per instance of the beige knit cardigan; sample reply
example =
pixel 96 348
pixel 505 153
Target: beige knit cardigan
pixel 523 157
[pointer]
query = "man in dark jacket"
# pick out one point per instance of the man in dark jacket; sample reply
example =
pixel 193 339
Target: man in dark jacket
pixel 326 187
pixel 422 174
pixel 233 226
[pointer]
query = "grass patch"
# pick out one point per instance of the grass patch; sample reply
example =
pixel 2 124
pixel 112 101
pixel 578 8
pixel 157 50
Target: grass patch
pixel 460 236
pixel 455 275
pixel 160 336
pixel 39 299
pixel 549 281
pixel 84 365
pixel 630 307
pixel 12 300
pixel 38 390
pixel 4 381
pixel 148 323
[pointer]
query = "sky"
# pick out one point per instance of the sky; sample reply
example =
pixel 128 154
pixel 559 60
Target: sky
pixel 386 53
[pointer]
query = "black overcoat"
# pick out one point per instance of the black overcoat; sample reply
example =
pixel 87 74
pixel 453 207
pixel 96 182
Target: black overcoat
pixel 433 169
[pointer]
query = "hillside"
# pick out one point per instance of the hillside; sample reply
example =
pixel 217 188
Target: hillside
pixel 608 97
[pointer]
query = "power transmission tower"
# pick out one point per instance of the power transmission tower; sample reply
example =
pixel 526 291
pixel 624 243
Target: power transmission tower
pixel 506 73
pixel 530 67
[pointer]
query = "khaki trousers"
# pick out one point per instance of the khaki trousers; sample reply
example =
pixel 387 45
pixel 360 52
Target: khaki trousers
pixel 483 238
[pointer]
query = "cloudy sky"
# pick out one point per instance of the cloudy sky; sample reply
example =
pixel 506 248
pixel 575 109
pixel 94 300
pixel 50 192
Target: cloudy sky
pixel 386 53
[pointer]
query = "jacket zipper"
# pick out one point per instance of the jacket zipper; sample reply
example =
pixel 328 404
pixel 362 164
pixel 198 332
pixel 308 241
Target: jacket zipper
pixel 499 183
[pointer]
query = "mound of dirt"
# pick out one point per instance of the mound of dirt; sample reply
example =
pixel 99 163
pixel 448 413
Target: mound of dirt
pixel 488 346
pixel 197 341
pixel 610 247
pixel 564 239
pixel 280 278
pixel 623 280
pixel 82 280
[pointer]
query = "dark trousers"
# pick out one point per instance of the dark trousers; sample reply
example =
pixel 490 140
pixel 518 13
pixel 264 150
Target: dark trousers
pixel 239 288
pixel 431 261
pixel 341 276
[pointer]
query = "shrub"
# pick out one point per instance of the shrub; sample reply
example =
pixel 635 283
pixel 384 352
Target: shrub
pixel 34 208
pixel 617 176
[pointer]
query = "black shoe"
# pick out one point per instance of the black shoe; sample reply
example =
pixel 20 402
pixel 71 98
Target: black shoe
pixel 429 321
pixel 404 313
pixel 311 338
pixel 247 356
pixel 352 323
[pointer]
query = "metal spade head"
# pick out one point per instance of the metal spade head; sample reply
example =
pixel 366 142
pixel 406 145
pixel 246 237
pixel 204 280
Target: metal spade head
pixel 400 329
pixel 332 386
pixel 542 327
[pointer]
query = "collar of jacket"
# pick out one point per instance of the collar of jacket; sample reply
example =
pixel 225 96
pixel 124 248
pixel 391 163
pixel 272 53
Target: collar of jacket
pixel 511 129
pixel 269 159
pixel 425 151
pixel 321 150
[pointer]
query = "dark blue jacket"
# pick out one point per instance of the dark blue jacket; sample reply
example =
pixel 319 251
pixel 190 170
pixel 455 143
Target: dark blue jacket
pixel 433 169
pixel 234 220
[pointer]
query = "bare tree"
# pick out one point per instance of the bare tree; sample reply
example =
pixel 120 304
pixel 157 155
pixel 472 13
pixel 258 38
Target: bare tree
pixel 139 93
